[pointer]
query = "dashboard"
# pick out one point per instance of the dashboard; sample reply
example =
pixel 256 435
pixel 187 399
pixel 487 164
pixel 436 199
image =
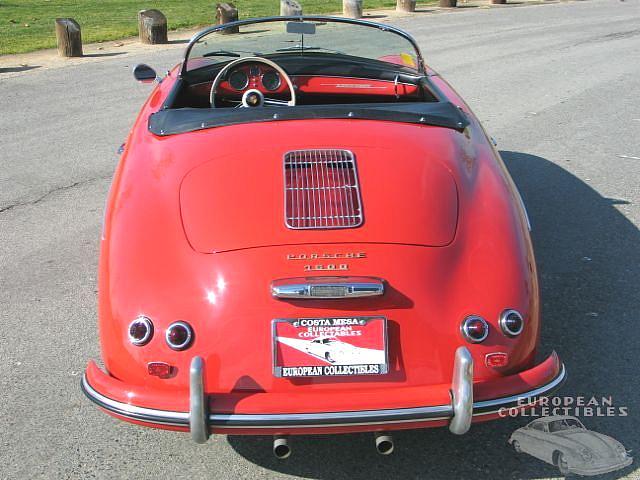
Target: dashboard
pixel 269 82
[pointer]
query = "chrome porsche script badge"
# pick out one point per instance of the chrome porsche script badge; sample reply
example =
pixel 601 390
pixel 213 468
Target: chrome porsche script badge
pixel 325 256
pixel 322 267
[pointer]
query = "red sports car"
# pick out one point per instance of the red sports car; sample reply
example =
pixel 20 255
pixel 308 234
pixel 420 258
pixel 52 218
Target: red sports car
pixel 310 232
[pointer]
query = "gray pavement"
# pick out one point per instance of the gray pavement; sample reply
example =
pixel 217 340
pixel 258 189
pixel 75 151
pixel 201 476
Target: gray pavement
pixel 558 86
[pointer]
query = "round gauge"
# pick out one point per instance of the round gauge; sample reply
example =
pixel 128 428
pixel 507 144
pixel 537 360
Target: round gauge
pixel 238 80
pixel 271 80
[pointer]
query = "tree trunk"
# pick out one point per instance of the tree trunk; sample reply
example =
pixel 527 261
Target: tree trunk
pixel 352 8
pixel 290 7
pixel 448 3
pixel 225 13
pixel 69 37
pixel 406 5
pixel 152 26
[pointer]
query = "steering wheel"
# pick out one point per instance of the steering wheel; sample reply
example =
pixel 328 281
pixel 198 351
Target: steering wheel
pixel 254 97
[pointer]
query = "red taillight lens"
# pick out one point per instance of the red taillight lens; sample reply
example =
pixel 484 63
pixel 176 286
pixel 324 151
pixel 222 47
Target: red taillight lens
pixel 140 331
pixel 159 369
pixel 498 359
pixel 179 335
pixel 511 323
pixel 474 329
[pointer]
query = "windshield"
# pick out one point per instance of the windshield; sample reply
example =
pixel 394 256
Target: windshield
pixel 561 425
pixel 314 35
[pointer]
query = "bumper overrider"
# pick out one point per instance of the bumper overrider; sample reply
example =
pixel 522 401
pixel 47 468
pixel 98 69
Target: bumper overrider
pixel 524 388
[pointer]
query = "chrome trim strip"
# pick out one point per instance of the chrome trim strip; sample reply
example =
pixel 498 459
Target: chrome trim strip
pixel 318 420
pixel 462 392
pixel 164 417
pixel 487 407
pixel 197 402
pixel 332 419
pixel 312 288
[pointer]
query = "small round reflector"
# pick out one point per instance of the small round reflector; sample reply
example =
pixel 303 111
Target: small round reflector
pixel 474 329
pixel 179 335
pixel 511 323
pixel 140 331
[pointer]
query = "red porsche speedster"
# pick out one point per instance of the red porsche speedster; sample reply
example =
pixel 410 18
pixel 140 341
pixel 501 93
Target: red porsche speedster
pixel 310 232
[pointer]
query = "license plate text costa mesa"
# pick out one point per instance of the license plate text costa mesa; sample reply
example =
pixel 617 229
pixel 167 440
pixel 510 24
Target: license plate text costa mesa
pixel 316 347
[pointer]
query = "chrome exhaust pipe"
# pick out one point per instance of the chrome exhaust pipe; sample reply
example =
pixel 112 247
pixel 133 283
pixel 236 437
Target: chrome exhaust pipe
pixel 384 443
pixel 281 448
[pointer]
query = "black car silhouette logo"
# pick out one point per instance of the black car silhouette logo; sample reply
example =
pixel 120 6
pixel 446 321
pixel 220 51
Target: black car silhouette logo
pixel 564 441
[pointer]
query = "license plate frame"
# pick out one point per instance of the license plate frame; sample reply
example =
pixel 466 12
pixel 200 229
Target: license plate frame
pixel 347 339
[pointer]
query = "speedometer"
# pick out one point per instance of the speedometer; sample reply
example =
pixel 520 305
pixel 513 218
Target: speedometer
pixel 271 80
pixel 238 80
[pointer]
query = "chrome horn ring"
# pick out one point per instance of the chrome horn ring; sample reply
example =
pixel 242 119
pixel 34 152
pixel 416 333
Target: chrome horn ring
pixel 266 101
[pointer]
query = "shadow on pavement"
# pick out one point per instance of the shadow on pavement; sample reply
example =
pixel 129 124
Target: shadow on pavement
pixel 21 68
pixel 106 54
pixel 588 258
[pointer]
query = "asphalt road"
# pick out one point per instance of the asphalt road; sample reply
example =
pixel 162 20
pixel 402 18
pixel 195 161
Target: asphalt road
pixel 557 85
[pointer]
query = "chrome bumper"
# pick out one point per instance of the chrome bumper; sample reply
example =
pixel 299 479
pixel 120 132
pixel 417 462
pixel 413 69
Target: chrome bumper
pixel 460 412
pixel 462 392
pixel 197 402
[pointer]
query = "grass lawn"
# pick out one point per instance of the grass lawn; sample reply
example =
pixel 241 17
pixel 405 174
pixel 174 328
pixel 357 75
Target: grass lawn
pixel 27 25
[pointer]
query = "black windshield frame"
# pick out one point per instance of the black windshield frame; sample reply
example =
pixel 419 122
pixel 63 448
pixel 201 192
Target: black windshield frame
pixel 421 69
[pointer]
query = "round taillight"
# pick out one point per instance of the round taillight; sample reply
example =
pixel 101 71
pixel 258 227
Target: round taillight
pixel 140 331
pixel 511 323
pixel 179 335
pixel 474 329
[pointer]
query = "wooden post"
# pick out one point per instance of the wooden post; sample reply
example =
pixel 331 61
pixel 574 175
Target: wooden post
pixel 406 5
pixel 152 26
pixel 69 37
pixel 352 8
pixel 290 7
pixel 225 13
pixel 448 3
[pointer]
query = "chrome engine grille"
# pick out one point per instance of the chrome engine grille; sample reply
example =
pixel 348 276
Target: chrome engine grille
pixel 321 189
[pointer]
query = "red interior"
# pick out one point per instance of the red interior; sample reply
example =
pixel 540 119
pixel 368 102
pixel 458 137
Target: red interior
pixel 310 84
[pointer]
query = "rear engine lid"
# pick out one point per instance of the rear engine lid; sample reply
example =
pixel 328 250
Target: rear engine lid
pixel 350 194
